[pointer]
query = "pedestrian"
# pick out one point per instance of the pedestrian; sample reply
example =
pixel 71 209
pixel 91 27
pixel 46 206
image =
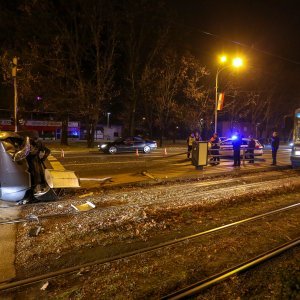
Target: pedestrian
pixel 250 149
pixel 215 146
pixel 197 137
pixel 274 145
pixel 190 140
pixel 236 144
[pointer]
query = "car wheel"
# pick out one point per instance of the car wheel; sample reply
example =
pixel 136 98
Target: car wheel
pixel 147 149
pixel 112 150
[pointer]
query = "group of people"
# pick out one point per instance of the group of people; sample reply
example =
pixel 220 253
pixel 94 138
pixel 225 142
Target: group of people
pixel 236 145
pixel 193 137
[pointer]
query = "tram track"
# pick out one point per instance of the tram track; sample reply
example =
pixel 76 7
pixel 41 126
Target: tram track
pixel 197 287
pixel 161 200
pixel 165 194
pixel 35 279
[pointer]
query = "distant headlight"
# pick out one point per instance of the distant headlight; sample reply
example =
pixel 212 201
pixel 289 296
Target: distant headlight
pixel 291 144
pixel 103 146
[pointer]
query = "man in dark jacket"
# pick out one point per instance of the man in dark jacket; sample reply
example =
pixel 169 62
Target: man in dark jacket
pixel 274 146
pixel 38 154
pixel 250 149
pixel 236 144
pixel 215 146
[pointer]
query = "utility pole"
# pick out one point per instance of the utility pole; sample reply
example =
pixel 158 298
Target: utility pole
pixel 14 75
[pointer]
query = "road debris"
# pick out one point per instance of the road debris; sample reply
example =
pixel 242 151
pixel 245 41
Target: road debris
pixel 86 195
pixel 44 286
pixel 35 231
pixel 148 175
pixel 101 180
pixel 84 207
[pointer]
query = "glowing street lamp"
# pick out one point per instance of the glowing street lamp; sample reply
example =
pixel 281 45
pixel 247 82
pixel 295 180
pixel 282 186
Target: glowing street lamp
pixel 237 62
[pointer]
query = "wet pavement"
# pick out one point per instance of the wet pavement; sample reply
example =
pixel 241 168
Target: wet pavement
pixel 156 166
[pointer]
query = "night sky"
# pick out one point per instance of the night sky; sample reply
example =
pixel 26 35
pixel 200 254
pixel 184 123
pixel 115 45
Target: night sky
pixel 266 32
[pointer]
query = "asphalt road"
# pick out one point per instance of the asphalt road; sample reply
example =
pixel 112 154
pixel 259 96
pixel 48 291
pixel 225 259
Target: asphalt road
pixel 161 163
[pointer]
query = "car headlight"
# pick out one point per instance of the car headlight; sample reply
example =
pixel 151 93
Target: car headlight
pixel 103 146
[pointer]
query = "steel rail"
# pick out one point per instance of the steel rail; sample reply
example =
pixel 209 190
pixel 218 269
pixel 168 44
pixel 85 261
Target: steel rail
pixel 217 278
pixel 64 271
pixel 230 188
pixel 234 178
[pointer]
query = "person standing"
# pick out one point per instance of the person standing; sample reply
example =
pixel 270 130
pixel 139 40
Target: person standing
pixel 236 144
pixel 250 149
pixel 215 146
pixel 197 137
pixel 190 141
pixel 274 145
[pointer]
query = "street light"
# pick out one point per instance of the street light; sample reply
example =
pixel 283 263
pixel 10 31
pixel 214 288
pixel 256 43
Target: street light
pixel 236 63
pixel 108 114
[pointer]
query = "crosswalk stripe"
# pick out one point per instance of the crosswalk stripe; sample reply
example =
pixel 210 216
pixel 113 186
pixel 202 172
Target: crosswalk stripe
pixel 55 164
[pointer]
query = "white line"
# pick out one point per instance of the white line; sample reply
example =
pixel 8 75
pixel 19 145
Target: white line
pixel 106 163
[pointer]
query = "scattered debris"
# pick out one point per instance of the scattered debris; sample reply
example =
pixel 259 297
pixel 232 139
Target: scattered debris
pixel 32 217
pixel 35 231
pixel 44 286
pixel 84 207
pixel 148 175
pixel 101 180
pixel 86 195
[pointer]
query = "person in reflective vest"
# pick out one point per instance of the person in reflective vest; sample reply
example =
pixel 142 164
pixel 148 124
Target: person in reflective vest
pixel 190 140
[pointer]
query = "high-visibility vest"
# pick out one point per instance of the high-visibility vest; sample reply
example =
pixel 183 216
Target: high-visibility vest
pixel 191 140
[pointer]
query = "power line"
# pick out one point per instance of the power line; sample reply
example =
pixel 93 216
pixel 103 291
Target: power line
pixel 241 44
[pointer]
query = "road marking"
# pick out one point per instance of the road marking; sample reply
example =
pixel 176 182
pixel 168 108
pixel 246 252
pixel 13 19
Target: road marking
pixel 107 163
pixel 55 164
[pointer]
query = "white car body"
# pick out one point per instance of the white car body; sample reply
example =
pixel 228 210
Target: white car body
pixel 226 148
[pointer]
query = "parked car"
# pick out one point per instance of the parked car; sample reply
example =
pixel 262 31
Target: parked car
pixel 226 148
pixel 222 138
pixel 128 144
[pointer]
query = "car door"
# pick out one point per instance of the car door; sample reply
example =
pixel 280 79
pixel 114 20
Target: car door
pixel 244 147
pixel 127 145
pixel 139 143
pixel 226 148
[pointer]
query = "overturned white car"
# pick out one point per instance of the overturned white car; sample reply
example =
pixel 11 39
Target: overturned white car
pixel 23 173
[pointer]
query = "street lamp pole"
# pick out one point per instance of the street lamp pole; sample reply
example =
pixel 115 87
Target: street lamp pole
pixel 216 96
pixel 14 75
pixel 108 114
pixel 237 62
